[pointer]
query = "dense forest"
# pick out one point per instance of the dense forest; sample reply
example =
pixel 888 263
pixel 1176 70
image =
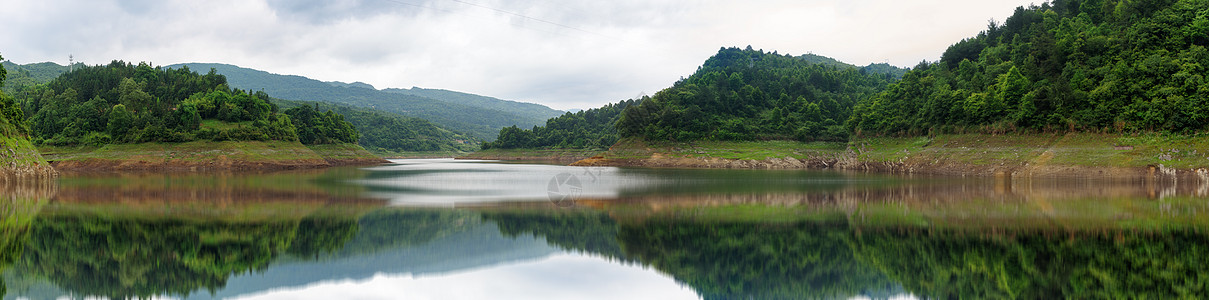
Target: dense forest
pixel 745 94
pixel 588 129
pixel 385 133
pixel 125 103
pixel 1090 65
pixel 28 75
pixel 12 119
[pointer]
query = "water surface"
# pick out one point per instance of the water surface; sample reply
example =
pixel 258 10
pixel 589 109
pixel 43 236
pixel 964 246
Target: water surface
pixel 442 229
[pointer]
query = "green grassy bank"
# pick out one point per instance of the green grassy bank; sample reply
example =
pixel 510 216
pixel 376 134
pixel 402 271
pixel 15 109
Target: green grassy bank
pixel 1074 154
pixel 206 155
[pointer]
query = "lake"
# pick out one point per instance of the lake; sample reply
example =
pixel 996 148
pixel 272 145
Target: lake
pixel 459 229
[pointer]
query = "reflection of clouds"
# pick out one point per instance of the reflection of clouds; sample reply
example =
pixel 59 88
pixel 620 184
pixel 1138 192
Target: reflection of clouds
pixel 565 276
pixel 444 182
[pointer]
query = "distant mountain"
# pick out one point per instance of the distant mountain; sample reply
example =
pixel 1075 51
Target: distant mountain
pixel 529 110
pixel 389 134
pixel 31 74
pixel 357 84
pixel 458 115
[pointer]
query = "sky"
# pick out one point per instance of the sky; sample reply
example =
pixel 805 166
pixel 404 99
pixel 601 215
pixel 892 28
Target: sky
pixel 566 54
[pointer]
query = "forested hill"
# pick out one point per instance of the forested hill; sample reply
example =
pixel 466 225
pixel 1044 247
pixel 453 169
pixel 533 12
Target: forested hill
pixel 527 110
pixel 388 134
pixel 28 75
pixel 482 123
pixel 1091 65
pixel 588 129
pixel 125 103
pixel 747 95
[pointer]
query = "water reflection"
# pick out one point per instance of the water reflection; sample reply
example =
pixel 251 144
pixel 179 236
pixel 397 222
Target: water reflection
pixel 714 234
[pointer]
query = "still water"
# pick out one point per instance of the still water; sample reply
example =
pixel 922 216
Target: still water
pixel 446 229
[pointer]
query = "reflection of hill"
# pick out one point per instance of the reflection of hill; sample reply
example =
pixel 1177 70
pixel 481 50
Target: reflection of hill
pixel 20 202
pixel 143 235
pixel 573 230
pixel 1038 265
pixel 397 242
pixel 732 260
pixel 755 261
pixel 819 253
pixel 124 259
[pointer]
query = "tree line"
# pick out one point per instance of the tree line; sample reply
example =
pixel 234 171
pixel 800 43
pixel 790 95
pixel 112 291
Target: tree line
pixel 588 129
pixel 1062 66
pixel 384 133
pixel 126 103
pixel 1089 65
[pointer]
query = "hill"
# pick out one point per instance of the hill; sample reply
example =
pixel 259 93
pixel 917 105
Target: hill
pixel 28 75
pixel 20 158
pixel 527 110
pixel 144 106
pixel 589 129
pixel 745 94
pixel 480 122
pixel 1084 66
pixel 390 134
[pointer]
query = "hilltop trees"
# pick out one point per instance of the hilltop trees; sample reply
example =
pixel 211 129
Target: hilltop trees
pixel 125 103
pixel 589 129
pixel 749 95
pixel 1097 65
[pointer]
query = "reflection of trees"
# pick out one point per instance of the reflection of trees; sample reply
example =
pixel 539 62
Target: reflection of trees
pixel 587 231
pixel 727 259
pixel 396 228
pixel 1037 265
pixel 321 236
pixel 754 260
pixel 20 202
pixel 719 260
pixel 12 241
pixel 130 257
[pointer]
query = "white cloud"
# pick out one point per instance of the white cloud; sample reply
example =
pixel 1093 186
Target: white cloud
pixel 565 54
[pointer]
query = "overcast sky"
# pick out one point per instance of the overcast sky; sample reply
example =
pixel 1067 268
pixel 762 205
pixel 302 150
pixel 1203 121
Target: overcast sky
pixel 561 53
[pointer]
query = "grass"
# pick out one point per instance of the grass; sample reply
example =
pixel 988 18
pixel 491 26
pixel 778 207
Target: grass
pixel 1075 149
pixel 754 150
pixel 19 152
pixel 188 152
pixel 535 153
pixel 342 151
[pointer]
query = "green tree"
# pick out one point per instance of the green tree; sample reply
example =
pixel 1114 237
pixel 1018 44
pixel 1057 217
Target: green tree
pixel 120 121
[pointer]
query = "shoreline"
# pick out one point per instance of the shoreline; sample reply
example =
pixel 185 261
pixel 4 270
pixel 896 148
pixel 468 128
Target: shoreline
pixel 551 155
pixel 209 156
pixel 1014 156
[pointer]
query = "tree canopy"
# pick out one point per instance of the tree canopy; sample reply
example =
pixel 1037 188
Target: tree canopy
pixel 588 129
pixel 745 94
pixel 126 103
pixel 1087 65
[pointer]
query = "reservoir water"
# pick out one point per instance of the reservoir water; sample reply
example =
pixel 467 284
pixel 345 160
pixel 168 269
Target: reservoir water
pixel 457 229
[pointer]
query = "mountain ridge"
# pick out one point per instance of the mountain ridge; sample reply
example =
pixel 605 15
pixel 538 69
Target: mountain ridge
pixel 478 121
